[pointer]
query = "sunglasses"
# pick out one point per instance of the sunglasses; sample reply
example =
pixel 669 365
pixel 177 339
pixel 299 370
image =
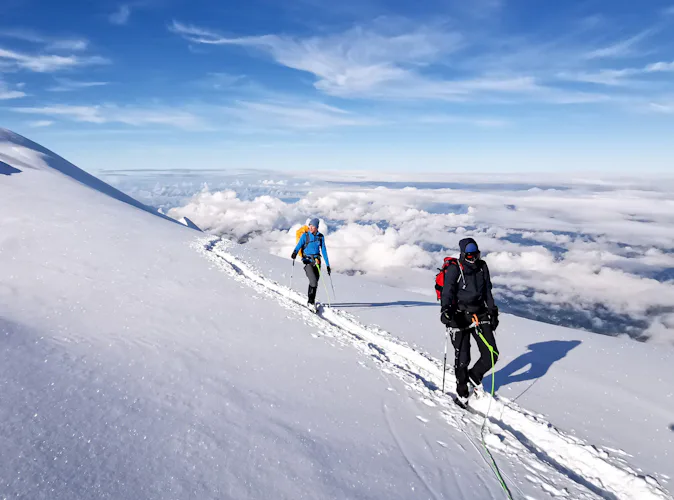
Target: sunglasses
pixel 473 255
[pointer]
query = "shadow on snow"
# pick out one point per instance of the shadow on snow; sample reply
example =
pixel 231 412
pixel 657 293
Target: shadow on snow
pixel 537 361
pixel 8 169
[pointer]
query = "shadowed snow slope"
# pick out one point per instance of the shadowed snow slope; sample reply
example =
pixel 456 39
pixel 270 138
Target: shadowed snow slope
pixel 134 366
pixel 25 154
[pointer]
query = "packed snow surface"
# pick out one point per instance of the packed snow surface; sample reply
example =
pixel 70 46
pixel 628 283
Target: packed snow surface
pixel 143 359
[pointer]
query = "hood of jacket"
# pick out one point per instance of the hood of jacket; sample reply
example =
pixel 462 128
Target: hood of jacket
pixel 462 246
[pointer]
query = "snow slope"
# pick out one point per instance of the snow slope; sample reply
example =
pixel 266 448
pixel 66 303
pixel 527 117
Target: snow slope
pixel 140 359
pixel 612 392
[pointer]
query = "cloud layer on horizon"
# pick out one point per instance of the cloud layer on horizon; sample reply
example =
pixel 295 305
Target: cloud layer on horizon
pixel 592 255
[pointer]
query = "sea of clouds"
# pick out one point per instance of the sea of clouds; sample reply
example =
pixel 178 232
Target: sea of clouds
pixel 584 253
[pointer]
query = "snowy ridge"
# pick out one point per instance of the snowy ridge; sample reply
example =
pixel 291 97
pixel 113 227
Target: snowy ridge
pixel 22 153
pixel 514 434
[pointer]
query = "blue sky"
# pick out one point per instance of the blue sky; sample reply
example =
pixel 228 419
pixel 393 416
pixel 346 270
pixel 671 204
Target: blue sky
pixel 439 85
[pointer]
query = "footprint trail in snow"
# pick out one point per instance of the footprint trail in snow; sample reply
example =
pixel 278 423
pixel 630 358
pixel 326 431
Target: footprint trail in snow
pixel 549 455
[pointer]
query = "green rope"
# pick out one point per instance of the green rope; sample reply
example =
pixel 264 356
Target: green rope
pixel 320 275
pixel 495 468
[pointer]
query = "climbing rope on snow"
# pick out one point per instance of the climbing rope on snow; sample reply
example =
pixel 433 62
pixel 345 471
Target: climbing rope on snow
pixel 492 351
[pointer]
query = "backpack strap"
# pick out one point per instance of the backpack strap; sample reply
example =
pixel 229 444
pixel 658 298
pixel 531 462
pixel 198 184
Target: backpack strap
pixel 461 276
pixel 306 241
pixel 319 237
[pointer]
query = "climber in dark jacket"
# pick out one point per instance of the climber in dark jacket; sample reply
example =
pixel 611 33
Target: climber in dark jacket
pixel 466 295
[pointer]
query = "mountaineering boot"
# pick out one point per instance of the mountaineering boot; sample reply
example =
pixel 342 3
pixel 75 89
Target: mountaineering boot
pixel 312 294
pixel 473 386
pixel 462 395
pixel 311 303
pixel 462 401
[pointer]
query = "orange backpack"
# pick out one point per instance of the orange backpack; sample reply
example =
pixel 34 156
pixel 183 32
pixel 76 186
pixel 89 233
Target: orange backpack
pixel 298 235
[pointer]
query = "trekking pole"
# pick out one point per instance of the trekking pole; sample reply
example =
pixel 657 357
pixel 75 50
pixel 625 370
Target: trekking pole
pixel 291 274
pixel 334 295
pixel 320 275
pixel 444 363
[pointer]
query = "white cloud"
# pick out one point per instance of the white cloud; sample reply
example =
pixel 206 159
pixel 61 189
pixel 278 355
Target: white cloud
pixel 50 42
pixel 226 213
pixel 117 114
pixel 591 250
pixel 660 66
pixel 662 107
pixel 47 63
pixel 10 94
pixel 67 85
pixel 390 60
pixel 295 115
pixel 612 77
pixel 617 77
pixel 379 61
pixel 121 15
pixel 6 93
pixel 75 45
pixel 476 121
pixel 394 59
pixel 40 123
pixel 621 49
pixel 221 81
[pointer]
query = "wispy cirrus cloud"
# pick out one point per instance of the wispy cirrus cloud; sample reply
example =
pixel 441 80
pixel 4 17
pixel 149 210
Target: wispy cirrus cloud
pixel 40 123
pixel 358 61
pixel 54 53
pixel 68 85
pixel 610 77
pixel 375 63
pixel 660 66
pixel 127 115
pixel 662 107
pixel 294 115
pixel 121 16
pixel 621 49
pixel 396 60
pixel 6 92
pixel 618 77
pixel 439 119
pixel 46 63
pixel 50 42
pixel 10 94
pixel 393 59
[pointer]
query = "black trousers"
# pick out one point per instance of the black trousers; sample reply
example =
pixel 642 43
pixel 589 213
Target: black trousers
pixel 461 343
pixel 313 274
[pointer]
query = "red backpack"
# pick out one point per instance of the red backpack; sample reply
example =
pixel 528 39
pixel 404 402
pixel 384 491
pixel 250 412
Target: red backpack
pixel 440 277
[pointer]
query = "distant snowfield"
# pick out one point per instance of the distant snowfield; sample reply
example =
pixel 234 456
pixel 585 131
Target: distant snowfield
pixel 582 252
pixel 142 359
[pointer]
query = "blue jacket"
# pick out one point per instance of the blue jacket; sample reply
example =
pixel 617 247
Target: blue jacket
pixel 312 245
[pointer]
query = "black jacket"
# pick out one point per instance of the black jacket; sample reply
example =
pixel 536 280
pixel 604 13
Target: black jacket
pixel 467 288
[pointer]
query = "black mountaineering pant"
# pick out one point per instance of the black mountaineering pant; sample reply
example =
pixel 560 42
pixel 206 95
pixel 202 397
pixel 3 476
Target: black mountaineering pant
pixel 461 343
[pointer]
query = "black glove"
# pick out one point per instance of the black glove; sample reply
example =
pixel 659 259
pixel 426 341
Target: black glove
pixel 294 255
pixel 329 271
pixel 493 319
pixel 446 317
